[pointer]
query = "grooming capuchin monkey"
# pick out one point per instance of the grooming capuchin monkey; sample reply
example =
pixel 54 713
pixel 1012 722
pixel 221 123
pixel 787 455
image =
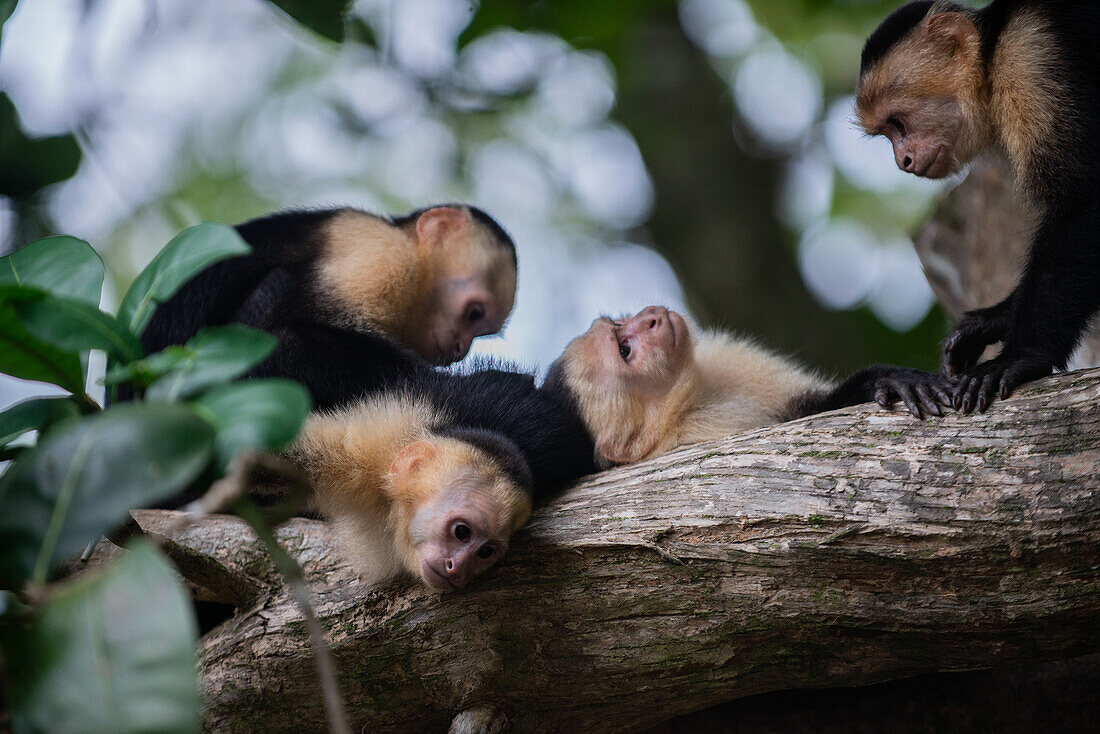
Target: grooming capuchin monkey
pixel 649 383
pixel 944 83
pixel 432 280
pixel 409 495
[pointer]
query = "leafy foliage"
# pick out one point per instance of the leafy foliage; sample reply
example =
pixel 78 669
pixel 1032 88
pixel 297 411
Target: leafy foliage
pixel 114 653
pixel 36 414
pixel 324 17
pixel 190 251
pixel 212 357
pixel 110 653
pixel 27 164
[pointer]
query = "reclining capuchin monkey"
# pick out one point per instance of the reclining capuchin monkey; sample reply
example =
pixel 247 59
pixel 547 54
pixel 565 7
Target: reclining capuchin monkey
pixel 432 280
pixel 411 495
pixel 647 384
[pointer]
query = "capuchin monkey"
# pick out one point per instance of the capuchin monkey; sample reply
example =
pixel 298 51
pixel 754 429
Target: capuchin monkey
pixel 649 383
pixel 945 83
pixel 408 494
pixel 432 281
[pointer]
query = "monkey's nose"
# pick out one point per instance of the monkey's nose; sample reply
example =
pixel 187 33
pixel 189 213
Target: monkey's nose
pixel 652 317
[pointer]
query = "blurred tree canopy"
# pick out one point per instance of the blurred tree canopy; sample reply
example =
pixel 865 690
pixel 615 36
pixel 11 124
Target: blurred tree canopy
pixel 714 132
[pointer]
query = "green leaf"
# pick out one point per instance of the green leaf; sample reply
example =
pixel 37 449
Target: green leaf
pixel 213 356
pixel 28 165
pixel 189 252
pixel 264 414
pixel 63 266
pixel 37 414
pixel 145 371
pixel 324 17
pixel 74 325
pixel 111 652
pixel 24 356
pixel 81 479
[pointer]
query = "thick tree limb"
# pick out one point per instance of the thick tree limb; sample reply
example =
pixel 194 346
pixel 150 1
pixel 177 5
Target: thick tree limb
pixel 844 549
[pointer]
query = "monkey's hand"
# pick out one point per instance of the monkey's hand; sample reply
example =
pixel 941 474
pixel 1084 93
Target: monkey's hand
pixel 975 331
pixel 998 377
pixel 922 392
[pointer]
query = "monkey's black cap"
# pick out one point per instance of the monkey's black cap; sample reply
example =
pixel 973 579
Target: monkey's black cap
pixel 501 448
pixel 896 26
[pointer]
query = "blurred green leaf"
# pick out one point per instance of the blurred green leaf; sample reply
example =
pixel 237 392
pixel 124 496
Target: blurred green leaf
pixel 325 17
pixel 263 414
pixel 111 652
pixel 73 325
pixel 30 164
pixel 36 414
pixel 144 371
pixel 213 356
pixel 63 266
pixel 24 356
pixel 7 7
pixel 82 478
pixel 192 250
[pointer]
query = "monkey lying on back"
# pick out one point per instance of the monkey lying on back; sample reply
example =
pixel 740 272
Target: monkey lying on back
pixel 944 83
pixel 410 494
pixel 647 384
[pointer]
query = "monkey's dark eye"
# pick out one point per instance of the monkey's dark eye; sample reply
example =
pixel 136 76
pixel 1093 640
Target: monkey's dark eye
pixel 475 314
pixel 624 350
pixel 897 125
pixel 463 532
pixel 485 551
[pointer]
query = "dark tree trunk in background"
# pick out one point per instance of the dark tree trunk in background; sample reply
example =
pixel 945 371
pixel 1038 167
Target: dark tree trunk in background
pixel 715 215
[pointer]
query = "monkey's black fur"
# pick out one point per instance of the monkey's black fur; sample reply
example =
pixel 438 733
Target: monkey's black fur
pixel 1058 292
pixel 922 392
pixel 274 289
pixel 340 366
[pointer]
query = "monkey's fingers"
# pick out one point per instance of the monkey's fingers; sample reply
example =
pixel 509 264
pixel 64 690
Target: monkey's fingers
pixel 901 389
pixel 928 400
pixel 974 331
pixel 1020 371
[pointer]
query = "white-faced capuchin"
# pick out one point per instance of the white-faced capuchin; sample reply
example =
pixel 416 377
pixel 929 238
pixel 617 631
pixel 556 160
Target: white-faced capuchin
pixel 409 495
pixel 649 383
pixel 432 280
pixel 945 83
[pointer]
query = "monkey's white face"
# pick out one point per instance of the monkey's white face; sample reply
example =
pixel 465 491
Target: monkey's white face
pixel 641 352
pixel 462 309
pixel 459 534
pixel 926 134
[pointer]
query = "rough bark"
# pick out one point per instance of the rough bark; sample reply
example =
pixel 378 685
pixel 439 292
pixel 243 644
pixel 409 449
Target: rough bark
pixel 973 248
pixel 844 549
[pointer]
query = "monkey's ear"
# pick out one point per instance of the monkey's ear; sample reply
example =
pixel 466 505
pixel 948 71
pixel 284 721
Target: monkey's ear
pixel 437 224
pixel 410 460
pixel 955 29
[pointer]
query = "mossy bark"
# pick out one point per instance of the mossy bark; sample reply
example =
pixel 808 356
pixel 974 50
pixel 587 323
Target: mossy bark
pixel 844 549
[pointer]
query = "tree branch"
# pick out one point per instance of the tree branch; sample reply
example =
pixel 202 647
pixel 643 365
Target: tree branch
pixel 843 549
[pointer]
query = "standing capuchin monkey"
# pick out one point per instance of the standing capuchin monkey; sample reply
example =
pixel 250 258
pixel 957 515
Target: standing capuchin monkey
pixel 944 83
pixel 649 383
pixel 432 281
pixel 410 496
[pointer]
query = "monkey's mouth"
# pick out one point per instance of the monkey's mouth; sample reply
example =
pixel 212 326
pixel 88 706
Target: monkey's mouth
pixel 933 169
pixel 438 581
